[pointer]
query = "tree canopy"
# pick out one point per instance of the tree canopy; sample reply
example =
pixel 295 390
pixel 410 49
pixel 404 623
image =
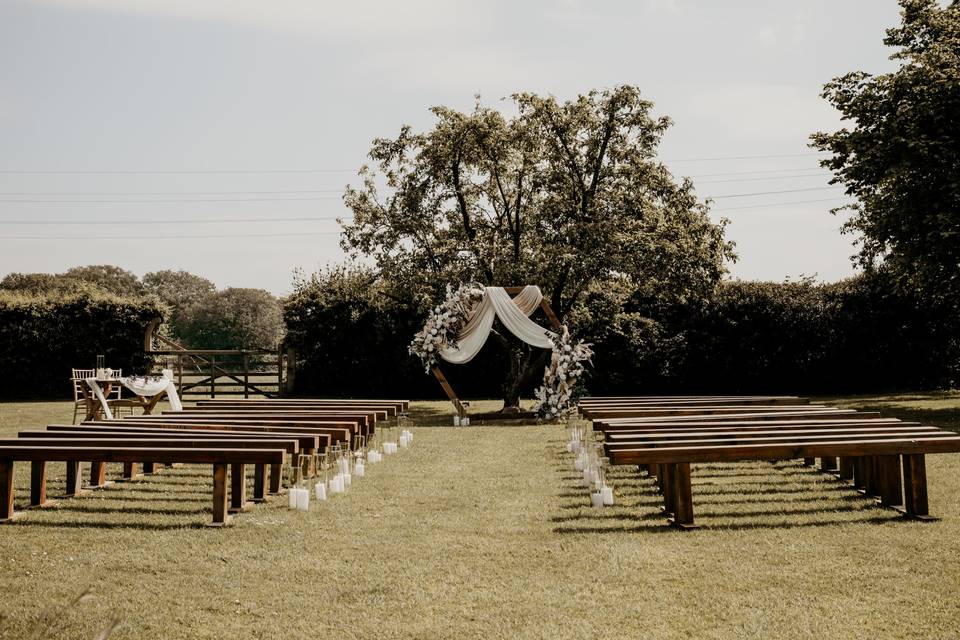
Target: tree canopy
pixel 564 195
pixel 900 155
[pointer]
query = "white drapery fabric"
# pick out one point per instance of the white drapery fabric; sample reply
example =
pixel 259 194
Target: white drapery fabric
pixel 146 387
pixel 150 387
pixel 513 313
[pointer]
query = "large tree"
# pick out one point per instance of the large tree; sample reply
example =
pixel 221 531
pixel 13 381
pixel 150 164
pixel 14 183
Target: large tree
pixel 900 156
pixel 563 195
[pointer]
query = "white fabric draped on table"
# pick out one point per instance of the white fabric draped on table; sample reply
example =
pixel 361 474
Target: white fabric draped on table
pixel 513 313
pixel 150 387
pixel 146 387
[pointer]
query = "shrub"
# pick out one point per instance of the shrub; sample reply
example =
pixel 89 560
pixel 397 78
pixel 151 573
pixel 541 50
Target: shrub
pixel 43 337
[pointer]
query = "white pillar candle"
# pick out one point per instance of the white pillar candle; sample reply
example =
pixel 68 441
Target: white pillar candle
pixel 466 421
pixel 292 497
pixel 575 446
pixel 347 480
pixel 359 469
pixel 607 494
pixel 456 421
pixel 303 499
pixel 596 499
pixel 321 490
pixel 569 447
pixel 336 484
pixel 578 463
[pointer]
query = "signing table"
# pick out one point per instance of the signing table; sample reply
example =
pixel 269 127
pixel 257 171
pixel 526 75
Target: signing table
pixel 148 391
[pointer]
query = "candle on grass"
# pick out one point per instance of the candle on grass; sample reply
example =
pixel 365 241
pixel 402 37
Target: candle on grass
pixel 303 499
pixel 321 490
pixel 596 499
pixel 606 494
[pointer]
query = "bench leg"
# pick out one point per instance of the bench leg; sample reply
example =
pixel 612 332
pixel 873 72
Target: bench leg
pixel 891 490
pixel 915 486
pixel 307 460
pixel 682 497
pixel 846 469
pixel 38 483
pixel 149 468
pixel 669 474
pixel 73 479
pixel 238 488
pixel 260 483
pixel 220 517
pixel 129 470
pixel 828 464
pixel 810 462
pixel 276 479
pixel 98 475
pixel 873 487
pixel 6 491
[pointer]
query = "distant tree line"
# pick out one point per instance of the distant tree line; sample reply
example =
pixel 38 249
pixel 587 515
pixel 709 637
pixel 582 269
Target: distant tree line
pixel 196 314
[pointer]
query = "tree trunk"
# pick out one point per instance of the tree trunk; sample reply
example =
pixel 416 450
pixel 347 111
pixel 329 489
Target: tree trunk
pixel 524 366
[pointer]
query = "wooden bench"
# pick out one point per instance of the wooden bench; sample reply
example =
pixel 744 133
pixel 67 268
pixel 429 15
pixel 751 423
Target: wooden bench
pixel 362 424
pixel 393 407
pixel 67 451
pixel 305 442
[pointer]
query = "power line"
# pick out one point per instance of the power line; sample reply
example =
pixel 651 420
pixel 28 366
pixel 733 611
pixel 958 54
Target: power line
pixel 307 171
pixel 164 193
pixel 166 221
pixel 741 173
pixel 774 204
pixel 178 237
pixel 111 172
pixel 768 193
pixel 757 179
pixel 170 200
pixel 757 157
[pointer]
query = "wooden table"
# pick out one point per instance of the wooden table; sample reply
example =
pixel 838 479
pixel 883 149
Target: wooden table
pixel 95 408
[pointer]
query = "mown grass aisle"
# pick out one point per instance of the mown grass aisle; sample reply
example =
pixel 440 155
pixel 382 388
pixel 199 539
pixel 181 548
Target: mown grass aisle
pixel 484 532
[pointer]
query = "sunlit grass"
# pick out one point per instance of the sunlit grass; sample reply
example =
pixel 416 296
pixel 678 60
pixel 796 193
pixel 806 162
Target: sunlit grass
pixel 484 532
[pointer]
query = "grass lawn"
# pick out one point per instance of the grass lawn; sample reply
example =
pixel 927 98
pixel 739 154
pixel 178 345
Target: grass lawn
pixel 483 532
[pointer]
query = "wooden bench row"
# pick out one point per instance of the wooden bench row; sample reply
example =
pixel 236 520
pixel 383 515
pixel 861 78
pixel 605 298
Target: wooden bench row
pixel 883 457
pixel 228 439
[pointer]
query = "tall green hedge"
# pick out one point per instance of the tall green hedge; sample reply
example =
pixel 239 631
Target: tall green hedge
pixel 857 335
pixel 43 337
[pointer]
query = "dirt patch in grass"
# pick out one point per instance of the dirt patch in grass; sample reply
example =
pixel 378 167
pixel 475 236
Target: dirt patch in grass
pixel 483 532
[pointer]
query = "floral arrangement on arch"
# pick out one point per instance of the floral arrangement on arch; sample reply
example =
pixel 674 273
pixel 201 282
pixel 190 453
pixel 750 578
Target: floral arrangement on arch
pixel 567 364
pixel 444 323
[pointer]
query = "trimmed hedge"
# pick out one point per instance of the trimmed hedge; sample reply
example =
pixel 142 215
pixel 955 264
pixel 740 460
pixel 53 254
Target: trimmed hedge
pixel 43 337
pixel 857 335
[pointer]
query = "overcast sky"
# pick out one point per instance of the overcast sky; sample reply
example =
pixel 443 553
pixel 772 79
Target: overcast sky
pixel 134 111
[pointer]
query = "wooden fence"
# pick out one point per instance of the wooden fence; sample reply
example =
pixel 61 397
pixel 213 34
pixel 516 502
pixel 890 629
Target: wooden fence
pixel 224 372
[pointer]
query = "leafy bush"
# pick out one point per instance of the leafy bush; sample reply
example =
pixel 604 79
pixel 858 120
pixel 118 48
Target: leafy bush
pixel 43 337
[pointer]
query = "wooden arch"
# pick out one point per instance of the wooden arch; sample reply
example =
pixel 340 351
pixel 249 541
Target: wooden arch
pixel 442 379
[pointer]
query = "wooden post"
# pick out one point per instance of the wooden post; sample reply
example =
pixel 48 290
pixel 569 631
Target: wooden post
pixel 682 496
pixel 260 483
pixel 179 373
pixel 290 383
pixel 238 487
pixel 276 479
pixel 246 376
pixel 846 468
pixel 73 478
pixel 669 480
pixel 891 490
pixel 220 517
pixel 213 376
pixel 98 475
pixel 38 483
pixel 448 390
pixel 915 485
pixel 6 491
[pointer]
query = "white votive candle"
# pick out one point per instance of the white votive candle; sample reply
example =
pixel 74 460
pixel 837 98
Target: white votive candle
pixel 359 470
pixel 347 480
pixel 321 490
pixel 596 499
pixel 303 499
pixel 456 421
pixel 607 494
pixel 292 497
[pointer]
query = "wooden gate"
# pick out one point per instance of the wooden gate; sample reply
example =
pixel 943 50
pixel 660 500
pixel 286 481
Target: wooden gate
pixel 219 372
